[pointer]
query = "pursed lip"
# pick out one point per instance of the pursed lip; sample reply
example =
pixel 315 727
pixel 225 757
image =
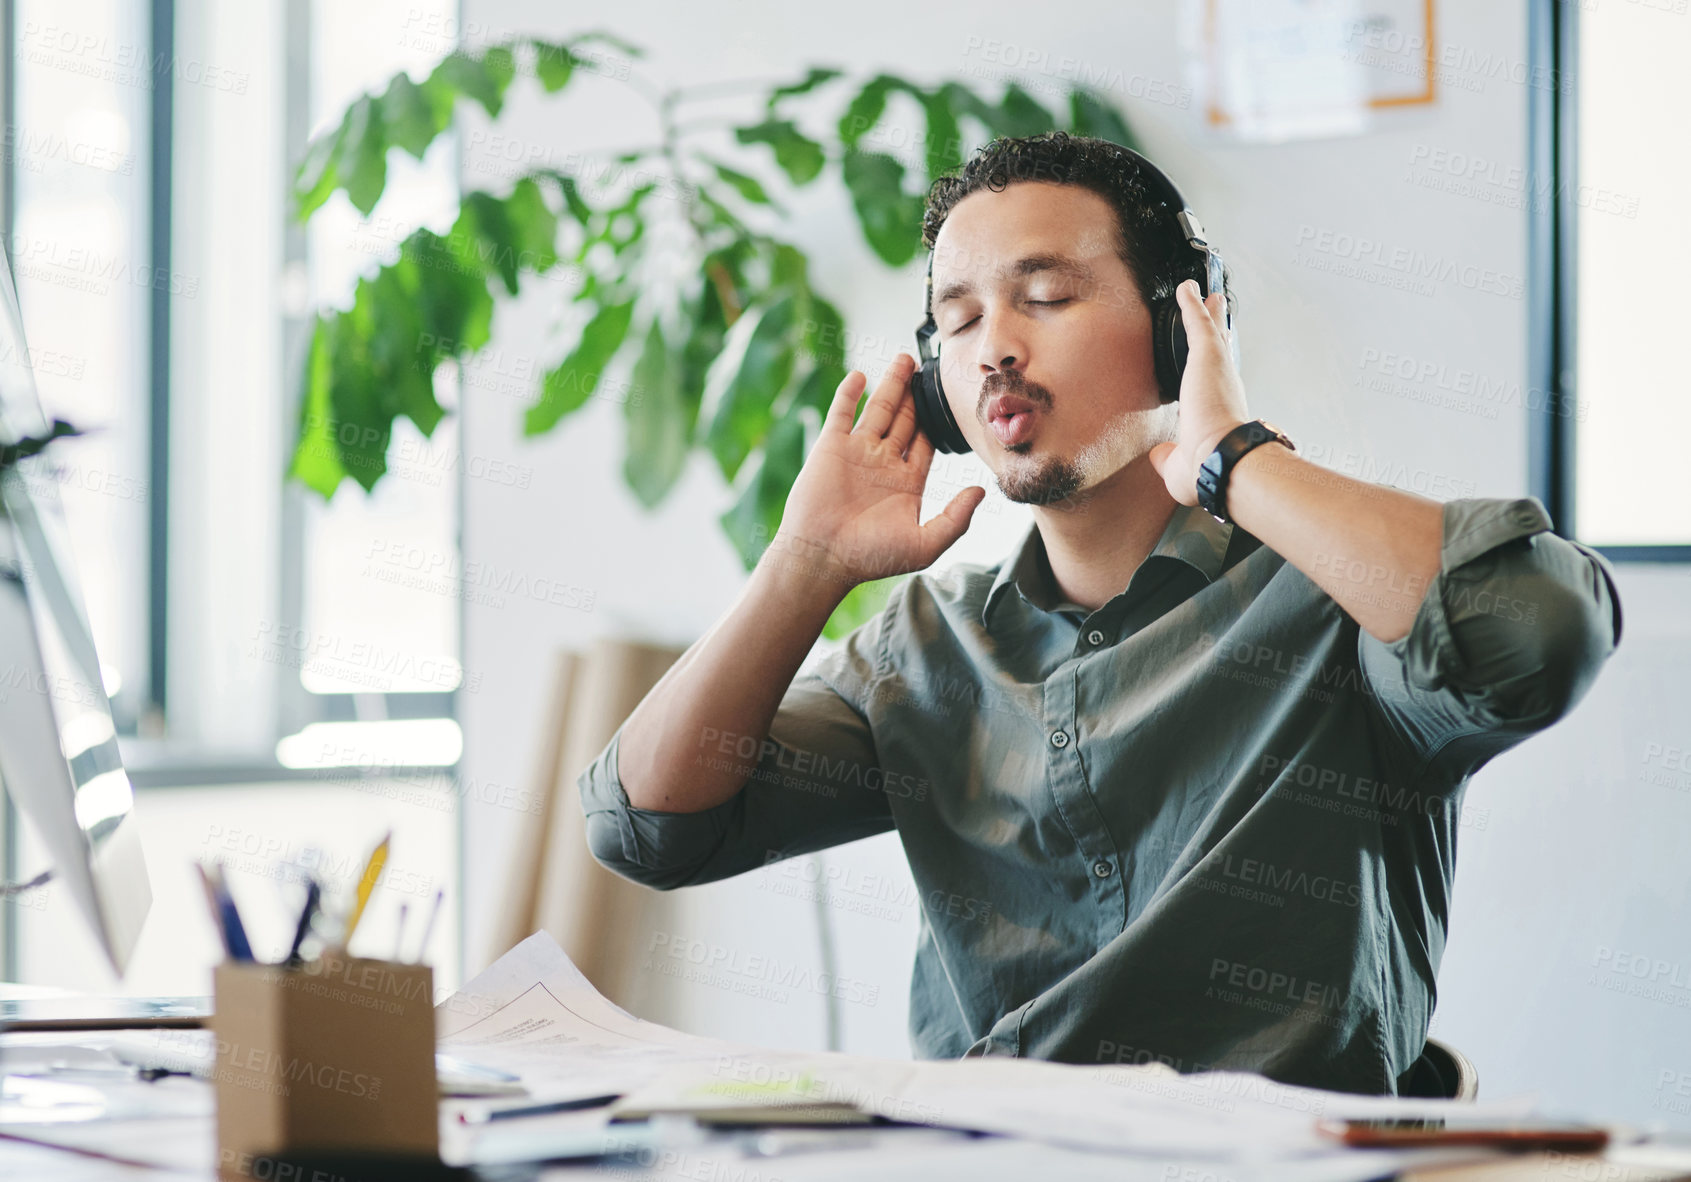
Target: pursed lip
pixel 1002 406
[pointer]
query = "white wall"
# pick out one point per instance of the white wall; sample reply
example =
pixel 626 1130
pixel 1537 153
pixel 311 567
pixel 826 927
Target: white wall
pixel 1538 900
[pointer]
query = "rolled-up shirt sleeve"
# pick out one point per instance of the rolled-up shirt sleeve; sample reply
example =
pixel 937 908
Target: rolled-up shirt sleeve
pixel 1508 638
pixel 813 782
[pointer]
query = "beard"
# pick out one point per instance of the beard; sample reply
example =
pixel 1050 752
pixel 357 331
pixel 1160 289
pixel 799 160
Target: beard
pixel 1062 481
pixel 1041 482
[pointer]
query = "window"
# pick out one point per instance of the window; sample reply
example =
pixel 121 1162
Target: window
pixel 78 154
pixel 1609 244
pixel 377 635
pixel 265 675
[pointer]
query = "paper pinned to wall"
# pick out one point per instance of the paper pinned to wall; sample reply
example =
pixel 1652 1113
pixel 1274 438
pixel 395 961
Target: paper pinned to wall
pixel 1277 70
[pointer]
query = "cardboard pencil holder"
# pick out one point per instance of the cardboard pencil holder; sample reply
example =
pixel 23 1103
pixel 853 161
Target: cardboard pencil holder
pixel 337 1054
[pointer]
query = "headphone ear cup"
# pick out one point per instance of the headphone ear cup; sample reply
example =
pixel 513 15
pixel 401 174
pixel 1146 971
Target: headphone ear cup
pixel 1168 337
pixel 933 413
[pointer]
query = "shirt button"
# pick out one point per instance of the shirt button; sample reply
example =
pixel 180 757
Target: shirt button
pixel 1102 868
pixel 1059 738
pixel 1095 637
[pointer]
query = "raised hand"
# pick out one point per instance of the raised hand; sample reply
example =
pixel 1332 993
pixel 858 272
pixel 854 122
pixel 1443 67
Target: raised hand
pixel 854 511
pixel 1212 397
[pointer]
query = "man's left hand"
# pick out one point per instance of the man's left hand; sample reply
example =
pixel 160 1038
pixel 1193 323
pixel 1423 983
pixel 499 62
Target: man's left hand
pixel 1212 398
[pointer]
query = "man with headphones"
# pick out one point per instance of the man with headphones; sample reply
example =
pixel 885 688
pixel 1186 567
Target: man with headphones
pixel 1181 778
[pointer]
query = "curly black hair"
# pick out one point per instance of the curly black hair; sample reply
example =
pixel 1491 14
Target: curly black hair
pixel 1148 239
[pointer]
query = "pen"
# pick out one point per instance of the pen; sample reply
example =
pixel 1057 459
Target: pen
pixel 578 1105
pixel 234 931
pixel 213 906
pixel 428 924
pixel 313 896
pixel 366 885
pixel 399 930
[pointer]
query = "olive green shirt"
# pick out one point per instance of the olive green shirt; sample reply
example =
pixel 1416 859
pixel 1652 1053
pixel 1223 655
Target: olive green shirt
pixel 1212 823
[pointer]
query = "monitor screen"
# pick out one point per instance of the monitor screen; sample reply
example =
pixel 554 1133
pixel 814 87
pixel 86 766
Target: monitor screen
pixel 59 756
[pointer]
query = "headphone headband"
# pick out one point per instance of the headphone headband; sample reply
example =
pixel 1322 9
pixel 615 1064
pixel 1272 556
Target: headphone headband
pixel 1185 223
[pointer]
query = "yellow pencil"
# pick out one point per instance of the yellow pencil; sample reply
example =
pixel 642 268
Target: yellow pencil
pixel 367 885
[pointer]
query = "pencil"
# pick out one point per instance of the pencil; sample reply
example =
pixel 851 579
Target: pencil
pixel 367 885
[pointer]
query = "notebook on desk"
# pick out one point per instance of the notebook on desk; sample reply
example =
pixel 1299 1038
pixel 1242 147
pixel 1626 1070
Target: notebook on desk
pixel 102 1013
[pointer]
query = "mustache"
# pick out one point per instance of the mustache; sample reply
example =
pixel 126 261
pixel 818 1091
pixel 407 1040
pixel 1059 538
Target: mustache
pixel 1011 381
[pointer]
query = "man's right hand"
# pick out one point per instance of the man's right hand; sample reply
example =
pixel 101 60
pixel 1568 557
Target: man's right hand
pixel 854 511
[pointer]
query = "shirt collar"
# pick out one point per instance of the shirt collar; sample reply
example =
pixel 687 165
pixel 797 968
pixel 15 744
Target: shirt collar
pixel 1192 536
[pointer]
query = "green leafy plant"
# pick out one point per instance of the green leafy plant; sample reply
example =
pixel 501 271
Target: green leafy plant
pixel 734 351
pixel 11 454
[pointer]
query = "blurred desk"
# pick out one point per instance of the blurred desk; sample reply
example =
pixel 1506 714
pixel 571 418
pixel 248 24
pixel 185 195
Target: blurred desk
pixel 164 1130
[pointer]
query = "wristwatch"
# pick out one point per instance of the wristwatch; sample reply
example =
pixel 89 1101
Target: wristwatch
pixel 1213 472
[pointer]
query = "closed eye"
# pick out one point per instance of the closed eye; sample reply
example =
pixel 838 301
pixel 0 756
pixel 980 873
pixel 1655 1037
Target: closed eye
pixel 1035 303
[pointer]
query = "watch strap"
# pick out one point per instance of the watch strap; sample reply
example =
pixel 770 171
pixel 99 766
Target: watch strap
pixel 1214 472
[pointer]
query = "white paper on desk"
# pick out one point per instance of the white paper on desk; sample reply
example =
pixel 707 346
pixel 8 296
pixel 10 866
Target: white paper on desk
pixel 184 1145
pixel 532 1012
pixel 1141 1110
pixel 998 1160
pixel 1129 1110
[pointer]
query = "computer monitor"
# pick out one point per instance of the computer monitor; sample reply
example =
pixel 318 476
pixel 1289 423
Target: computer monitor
pixel 58 745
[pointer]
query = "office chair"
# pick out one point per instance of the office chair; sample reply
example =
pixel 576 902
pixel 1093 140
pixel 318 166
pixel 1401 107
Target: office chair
pixel 1441 1073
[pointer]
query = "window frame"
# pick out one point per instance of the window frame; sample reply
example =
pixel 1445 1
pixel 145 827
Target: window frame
pixel 167 762
pixel 1553 275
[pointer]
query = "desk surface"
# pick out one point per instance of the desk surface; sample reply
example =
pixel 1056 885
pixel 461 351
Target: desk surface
pixel 980 1160
pixel 179 1143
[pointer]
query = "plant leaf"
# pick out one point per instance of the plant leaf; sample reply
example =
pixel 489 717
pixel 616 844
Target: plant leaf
pixel 601 37
pixel 572 383
pixel 944 152
pixel 359 415
pixel 660 430
pixel 748 187
pixel 482 238
pixel 799 156
pixel 454 309
pixel 744 413
pixel 1018 114
pixel 533 225
pixel 788 268
pixel 364 154
pixel 866 109
pixel 505 237
pixel 318 174
pixel 709 328
pixel 890 217
pixel 316 460
pixel 482 79
pixel 861 604
pixel 553 65
pixel 412 122
pixel 816 77
pixel 1090 114
pixel 756 513
pixel 578 208
pixel 500 66
pixel 965 102
pixel 387 315
pixel 824 341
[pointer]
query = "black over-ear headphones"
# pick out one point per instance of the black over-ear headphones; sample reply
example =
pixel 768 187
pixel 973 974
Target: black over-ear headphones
pixel 1198 260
